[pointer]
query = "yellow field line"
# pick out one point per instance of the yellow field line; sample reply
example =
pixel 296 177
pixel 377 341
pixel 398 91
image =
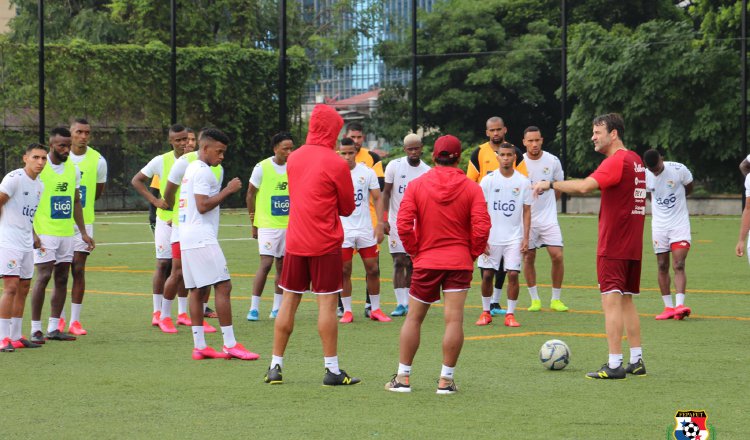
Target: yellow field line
pixel 513 335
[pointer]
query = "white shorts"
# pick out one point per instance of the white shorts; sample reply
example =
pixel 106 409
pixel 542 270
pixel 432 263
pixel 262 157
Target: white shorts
pixel 271 242
pixel 394 242
pixel 162 236
pixel 204 266
pixel 78 244
pixel 174 237
pixel 54 248
pixel 15 263
pixel 547 235
pixel 358 239
pixel 662 239
pixel 509 253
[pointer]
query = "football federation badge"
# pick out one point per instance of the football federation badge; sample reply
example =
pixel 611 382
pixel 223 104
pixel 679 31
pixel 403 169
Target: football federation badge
pixel 691 425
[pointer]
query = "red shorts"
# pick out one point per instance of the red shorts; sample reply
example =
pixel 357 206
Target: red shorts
pixel 176 251
pixel 679 245
pixel 426 283
pixel 324 272
pixel 622 276
pixel 369 252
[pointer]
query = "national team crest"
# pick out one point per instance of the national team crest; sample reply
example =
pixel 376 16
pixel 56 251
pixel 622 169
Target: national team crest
pixel 361 180
pixel 267 245
pixel 691 425
pixel 670 184
pixel 546 171
pixel 516 192
pixel 12 264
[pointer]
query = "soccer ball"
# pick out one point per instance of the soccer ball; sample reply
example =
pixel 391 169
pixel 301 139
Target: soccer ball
pixel 554 354
pixel 691 430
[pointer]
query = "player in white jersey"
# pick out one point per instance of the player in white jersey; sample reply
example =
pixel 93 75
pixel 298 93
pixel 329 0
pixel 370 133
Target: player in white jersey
pixel 203 262
pixel 20 193
pixel 545 230
pixel 508 196
pixel 669 183
pixel 743 246
pixel 398 174
pixel 360 235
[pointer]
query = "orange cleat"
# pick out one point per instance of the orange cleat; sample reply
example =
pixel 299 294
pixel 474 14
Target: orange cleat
pixel 155 318
pixel 510 321
pixel 208 328
pixel 208 353
pixel 239 352
pixel 484 319
pixel 76 329
pixel 378 315
pixel 167 326
pixel 347 318
pixel 681 312
pixel 668 313
pixel 183 319
pixel 61 325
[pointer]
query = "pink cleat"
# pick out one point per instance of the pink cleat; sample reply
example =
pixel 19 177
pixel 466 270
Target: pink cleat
pixel 208 328
pixel 681 312
pixel 76 329
pixel 61 325
pixel 378 315
pixel 347 318
pixel 167 326
pixel 155 318
pixel 668 313
pixel 239 352
pixel 208 353
pixel 183 319
pixel 510 320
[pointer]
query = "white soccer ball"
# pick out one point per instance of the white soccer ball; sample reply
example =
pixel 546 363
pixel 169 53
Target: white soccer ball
pixel 554 354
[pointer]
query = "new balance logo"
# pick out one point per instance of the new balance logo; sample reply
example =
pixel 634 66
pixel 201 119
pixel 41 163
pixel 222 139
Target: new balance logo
pixel 281 186
pixel 61 186
pixel 347 381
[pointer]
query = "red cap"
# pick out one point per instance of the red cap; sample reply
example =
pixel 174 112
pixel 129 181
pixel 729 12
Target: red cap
pixel 447 146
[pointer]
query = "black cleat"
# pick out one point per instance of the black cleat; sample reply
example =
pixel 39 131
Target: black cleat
pixel 273 376
pixel 367 310
pixel 25 343
pixel 332 380
pixel 607 373
pixel 449 386
pixel 636 369
pixel 210 313
pixel 57 335
pixel 6 346
pixel 37 337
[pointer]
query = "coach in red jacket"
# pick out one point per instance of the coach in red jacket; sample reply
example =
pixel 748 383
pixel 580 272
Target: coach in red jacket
pixel 444 226
pixel 320 190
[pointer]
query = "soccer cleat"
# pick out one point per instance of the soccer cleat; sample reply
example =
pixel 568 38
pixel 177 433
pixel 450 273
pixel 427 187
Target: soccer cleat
pixel 252 315
pixel 184 319
pixel 347 318
pixel 332 380
pixel 37 337
pixel 6 346
pixel 273 314
pixel 400 311
pixel 167 326
pixel 367 310
pixel 208 353
pixel 273 376
pixel 607 373
pixel 239 352
pixel 57 335
pixel 340 312
pixel 24 343
pixel 378 315
pixel 510 321
pixel 76 329
pixel 446 386
pixel 484 319
pixel 210 313
pixel 668 313
pixel 155 318
pixel 61 324
pixel 208 328
pixel 496 310
pixel 558 306
pixel 681 312
pixel 536 305
pixel 399 384
pixel 636 369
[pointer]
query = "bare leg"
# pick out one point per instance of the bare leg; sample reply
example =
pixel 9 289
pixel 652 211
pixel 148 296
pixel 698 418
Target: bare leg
pixel 558 265
pixel 19 304
pixel 678 265
pixel 529 268
pixel 8 298
pixel 632 321
pixel 43 275
pixel 60 291
pixel 222 298
pixel 195 298
pixel 328 328
pixel 261 275
pixel 662 262
pixel 453 338
pixel 411 331
pixel 612 304
pixel 347 285
pixel 284 323
pixel 78 269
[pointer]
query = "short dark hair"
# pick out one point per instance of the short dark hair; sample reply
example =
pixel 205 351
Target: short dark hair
pixel 189 130
pixel 177 128
pixel 215 134
pixel 530 129
pixel 281 137
pixel 651 158
pixel 81 121
pixel 36 146
pixel 508 145
pixel 355 126
pixel 59 131
pixel 347 141
pixel 447 160
pixel 613 121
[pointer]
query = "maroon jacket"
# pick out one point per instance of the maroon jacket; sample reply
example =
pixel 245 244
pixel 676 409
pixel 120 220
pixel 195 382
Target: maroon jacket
pixel 443 221
pixel 320 189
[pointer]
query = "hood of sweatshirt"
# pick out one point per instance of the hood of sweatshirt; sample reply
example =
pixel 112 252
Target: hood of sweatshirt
pixel 325 126
pixel 445 184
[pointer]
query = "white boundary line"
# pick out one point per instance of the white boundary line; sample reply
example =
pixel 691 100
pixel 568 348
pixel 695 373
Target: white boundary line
pixel 146 224
pixel 151 242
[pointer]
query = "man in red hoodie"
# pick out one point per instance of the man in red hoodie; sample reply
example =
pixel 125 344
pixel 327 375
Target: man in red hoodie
pixel 320 190
pixel 440 209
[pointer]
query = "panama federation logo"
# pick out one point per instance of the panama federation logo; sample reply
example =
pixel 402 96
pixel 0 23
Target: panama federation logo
pixel 692 425
pixel 516 192
pixel 393 243
pixel 361 180
pixel 670 184
pixel 267 245
pixel 12 264
pixel 546 171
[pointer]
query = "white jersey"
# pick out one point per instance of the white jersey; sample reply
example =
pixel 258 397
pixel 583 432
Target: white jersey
pixel 505 198
pixel 364 180
pixel 547 167
pixel 154 167
pixel 196 229
pixel 17 215
pixel 747 186
pixel 101 166
pixel 400 173
pixel 256 178
pixel 176 173
pixel 668 203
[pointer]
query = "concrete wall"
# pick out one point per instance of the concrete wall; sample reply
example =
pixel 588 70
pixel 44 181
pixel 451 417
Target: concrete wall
pixel 719 205
pixel 6 13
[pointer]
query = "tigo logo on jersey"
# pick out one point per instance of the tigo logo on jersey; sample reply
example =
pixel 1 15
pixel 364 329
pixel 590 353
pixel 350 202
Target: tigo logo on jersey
pixel 61 207
pixel 279 205
pixel 691 425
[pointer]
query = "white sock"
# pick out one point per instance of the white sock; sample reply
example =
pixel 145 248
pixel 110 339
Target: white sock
pixel 496 295
pixel 556 293
pixel 254 302
pixel 36 326
pixel 157 298
pixel 75 312
pixel 4 328
pixel 16 324
pixel 399 295
pixel 533 293
pixel 511 306
pixel 52 325
pixel 277 360
pixel 615 360
pixel 205 306
pixel 447 372
pixel 636 353
pixel 228 333
pixel 199 337
pixel 680 299
pixel 182 305
pixel 332 363
pixel 277 300
pixel 166 308
pixel 486 303
pixel 404 370
pixel 667 301
pixel 347 302
pixel 375 301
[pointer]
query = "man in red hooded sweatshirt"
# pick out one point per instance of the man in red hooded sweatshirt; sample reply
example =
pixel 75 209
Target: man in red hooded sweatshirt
pixel 440 209
pixel 320 190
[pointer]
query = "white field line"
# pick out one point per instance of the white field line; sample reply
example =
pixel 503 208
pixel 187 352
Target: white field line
pixel 151 242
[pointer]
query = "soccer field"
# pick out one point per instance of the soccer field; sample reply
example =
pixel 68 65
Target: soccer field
pixel 126 379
